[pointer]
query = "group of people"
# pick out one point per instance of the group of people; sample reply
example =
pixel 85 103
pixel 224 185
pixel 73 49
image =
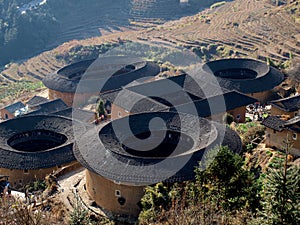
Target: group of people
pixel 258 111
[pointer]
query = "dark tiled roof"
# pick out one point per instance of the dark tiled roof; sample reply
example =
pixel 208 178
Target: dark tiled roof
pixel 216 104
pixel 202 88
pixel 174 93
pixel 77 114
pixel 194 87
pixel 160 87
pixel 15 159
pixel 292 121
pixel 176 98
pixel 49 107
pixel 36 100
pixel 168 88
pixel 105 155
pixel 267 77
pixel 135 103
pixel 293 124
pixel 289 104
pixel 101 75
pixel 110 96
pixel 15 106
pixel 274 122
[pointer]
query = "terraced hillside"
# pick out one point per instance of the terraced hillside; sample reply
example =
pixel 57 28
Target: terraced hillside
pixel 246 27
pixel 252 28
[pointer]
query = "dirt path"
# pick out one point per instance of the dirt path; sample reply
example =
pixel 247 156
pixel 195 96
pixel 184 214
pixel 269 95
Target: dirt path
pixel 67 185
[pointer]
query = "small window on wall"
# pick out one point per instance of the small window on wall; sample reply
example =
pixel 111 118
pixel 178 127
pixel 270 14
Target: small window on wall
pixel 294 136
pixel 26 171
pixel 238 116
pixel 117 193
pixel 295 114
pixel 121 200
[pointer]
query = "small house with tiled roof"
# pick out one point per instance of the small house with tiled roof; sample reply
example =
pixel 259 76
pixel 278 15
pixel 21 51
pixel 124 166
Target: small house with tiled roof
pixel 248 76
pixel 127 154
pixel 8 112
pixel 33 103
pixel 179 93
pixel 49 107
pixel 215 107
pixel 79 81
pixel 76 114
pixel 279 129
pixel 286 106
pixel 33 146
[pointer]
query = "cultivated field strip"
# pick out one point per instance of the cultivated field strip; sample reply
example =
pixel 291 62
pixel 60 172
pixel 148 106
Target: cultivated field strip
pixel 247 27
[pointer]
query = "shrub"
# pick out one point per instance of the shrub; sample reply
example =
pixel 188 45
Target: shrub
pixel 79 216
pixel 223 193
pixel 255 132
pixel 38 185
pixel 17 89
pixel 15 212
pixel 228 118
pixel 156 199
pixel 242 128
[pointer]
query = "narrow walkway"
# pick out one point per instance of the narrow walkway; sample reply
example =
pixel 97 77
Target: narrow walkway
pixel 67 184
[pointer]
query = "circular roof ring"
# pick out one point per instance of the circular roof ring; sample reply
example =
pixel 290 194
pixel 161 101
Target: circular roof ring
pixel 149 154
pixel 100 75
pixel 242 74
pixel 36 142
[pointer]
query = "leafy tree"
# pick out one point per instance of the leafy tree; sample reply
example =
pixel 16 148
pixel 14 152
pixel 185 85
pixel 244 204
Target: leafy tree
pixel 100 109
pixel 220 191
pixel 227 182
pixel 79 216
pixel 281 195
pixel 156 199
pixel 228 118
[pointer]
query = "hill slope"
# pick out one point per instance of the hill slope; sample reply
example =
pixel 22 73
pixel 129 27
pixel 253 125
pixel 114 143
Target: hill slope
pixel 241 28
pixel 28 27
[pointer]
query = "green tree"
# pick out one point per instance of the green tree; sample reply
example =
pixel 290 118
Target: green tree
pixel 222 191
pixel 281 195
pixel 80 215
pixel 156 199
pixel 228 118
pixel 225 181
pixel 100 109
